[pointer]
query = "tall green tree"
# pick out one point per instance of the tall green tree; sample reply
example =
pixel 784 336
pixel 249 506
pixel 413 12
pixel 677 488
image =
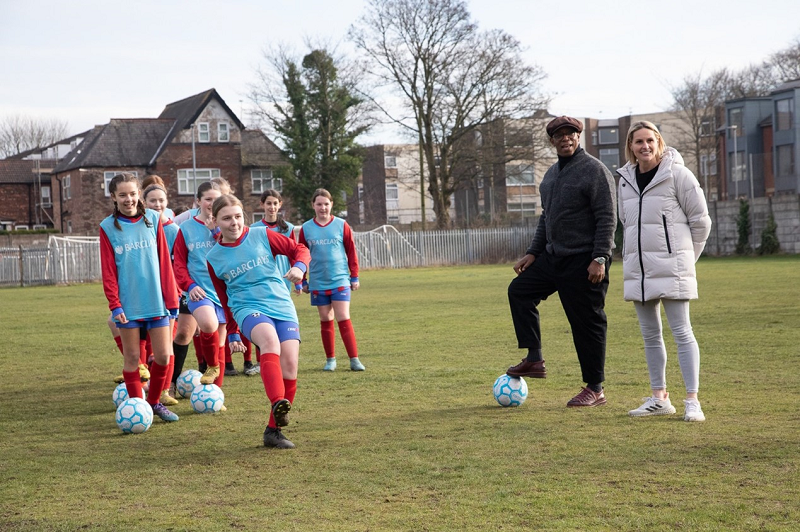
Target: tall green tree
pixel 316 116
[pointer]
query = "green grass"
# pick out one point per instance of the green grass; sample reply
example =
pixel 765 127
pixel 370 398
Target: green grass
pixel 416 442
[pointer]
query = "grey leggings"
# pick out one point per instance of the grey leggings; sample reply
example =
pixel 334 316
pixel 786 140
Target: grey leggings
pixel 656 352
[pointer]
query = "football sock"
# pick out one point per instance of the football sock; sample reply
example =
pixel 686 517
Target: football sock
pixel 328 338
pixel 158 374
pixel 142 352
pixel 534 355
pixel 170 370
pixel 118 340
pixel 148 348
pixel 271 377
pixel 349 338
pixel 133 383
pixel 258 354
pixel 179 358
pixel 209 345
pixel 248 349
pixel 198 349
pixel 221 350
pixel 228 358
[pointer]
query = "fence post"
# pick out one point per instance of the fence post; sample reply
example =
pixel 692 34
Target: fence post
pixel 21 268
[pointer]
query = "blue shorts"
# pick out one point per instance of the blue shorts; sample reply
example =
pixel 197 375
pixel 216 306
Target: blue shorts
pixel 147 324
pixel 320 298
pixel 194 305
pixel 287 330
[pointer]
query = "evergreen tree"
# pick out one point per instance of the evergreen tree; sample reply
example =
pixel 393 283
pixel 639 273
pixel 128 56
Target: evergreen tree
pixel 769 238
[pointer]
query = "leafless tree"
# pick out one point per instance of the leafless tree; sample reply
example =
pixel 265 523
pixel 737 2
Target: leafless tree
pixel 19 133
pixel 786 62
pixel 451 79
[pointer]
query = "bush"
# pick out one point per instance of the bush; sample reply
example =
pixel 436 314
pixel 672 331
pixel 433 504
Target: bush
pixel 769 238
pixel 743 226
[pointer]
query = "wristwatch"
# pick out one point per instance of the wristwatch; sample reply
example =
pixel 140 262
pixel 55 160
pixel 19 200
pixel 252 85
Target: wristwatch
pixel 600 260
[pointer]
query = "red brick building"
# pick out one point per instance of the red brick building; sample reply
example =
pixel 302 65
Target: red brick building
pixel 192 141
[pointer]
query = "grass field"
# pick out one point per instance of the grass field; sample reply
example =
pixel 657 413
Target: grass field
pixel 417 442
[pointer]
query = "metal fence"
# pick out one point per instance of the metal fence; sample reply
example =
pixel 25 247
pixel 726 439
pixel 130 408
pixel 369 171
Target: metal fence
pixel 64 260
pixel 77 259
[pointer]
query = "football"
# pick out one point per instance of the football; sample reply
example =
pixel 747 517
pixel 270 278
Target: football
pixel 510 391
pixel 119 394
pixel 207 398
pixel 187 381
pixel 134 416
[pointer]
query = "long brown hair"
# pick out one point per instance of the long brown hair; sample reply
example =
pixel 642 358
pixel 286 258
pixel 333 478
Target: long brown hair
pixel 282 225
pixel 127 177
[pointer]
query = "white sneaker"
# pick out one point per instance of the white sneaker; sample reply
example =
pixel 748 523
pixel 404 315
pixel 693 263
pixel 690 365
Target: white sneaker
pixel 693 411
pixel 654 406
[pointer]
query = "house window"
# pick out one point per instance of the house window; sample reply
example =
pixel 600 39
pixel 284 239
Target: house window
pixel 390 161
pixel 46 199
pixel 223 133
pixel 108 176
pixel 610 158
pixel 708 164
pixel 69 226
pixel 608 135
pixel 519 174
pixel 257 217
pixel 202 132
pixel 735 119
pixel 188 181
pixel 784 160
pixel 262 180
pixel 783 114
pixel 392 196
pixel 707 126
pixel 67 187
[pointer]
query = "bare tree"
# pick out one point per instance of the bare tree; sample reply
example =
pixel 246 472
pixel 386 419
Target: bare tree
pixel 452 78
pixel 786 62
pixel 19 133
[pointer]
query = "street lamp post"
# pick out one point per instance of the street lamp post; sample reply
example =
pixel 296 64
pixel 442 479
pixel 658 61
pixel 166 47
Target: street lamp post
pixel 735 165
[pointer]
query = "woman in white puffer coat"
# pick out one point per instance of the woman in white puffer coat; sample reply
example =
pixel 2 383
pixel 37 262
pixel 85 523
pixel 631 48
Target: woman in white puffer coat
pixel 666 224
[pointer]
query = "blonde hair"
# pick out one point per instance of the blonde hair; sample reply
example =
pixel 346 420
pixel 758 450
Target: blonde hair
pixel 636 126
pixel 224 185
pixel 226 200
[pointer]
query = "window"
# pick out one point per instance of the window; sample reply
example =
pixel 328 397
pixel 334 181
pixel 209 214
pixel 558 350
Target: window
pixel 188 183
pixel 783 114
pixel 608 135
pixel 108 176
pixel 707 126
pixel 390 161
pixel 223 134
pixel 202 132
pixel 258 216
pixel 519 174
pixel 708 164
pixel 610 158
pixel 262 180
pixel 69 226
pixel 735 119
pixel 46 199
pixel 737 166
pixel 21 227
pixel 392 196
pixel 784 163
pixel 67 187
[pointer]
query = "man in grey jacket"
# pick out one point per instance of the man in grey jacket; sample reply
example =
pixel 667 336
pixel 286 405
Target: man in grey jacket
pixel 570 254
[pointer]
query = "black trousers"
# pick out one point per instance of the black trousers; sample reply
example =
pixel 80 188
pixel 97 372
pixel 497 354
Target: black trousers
pixel 583 304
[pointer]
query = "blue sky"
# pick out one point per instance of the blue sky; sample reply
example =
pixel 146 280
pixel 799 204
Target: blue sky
pixel 88 61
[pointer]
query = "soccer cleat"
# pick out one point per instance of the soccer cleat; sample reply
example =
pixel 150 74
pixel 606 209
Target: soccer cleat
pixel 167 400
pixel 230 370
pixel 211 374
pixel 144 373
pixel 280 411
pixel 330 364
pixel 356 365
pixel 250 368
pixel 693 411
pixel 587 397
pixel 275 438
pixel 525 368
pixel 119 379
pixel 223 408
pixel 164 413
pixel 654 406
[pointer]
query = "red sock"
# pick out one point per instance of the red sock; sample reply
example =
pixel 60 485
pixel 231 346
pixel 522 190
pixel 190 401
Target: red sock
pixel 248 349
pixel 133 383
pixel 258 355
pixel 198 349
pixel 143 352
pixel 221 350
pixel 228 358
pixel 158 375
pixel 170 370
pixel 118 340
pixel 290 388
pixel 148 348
pixel 209 345
pixel 349 338
pixel 272 377
pixel 328 338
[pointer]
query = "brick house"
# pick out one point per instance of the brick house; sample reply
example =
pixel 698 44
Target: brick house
pixel 193 140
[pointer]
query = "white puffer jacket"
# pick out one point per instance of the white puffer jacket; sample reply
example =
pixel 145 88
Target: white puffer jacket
pixel 666 227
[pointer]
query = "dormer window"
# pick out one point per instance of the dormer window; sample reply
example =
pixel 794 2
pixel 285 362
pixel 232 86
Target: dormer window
pixel 202 132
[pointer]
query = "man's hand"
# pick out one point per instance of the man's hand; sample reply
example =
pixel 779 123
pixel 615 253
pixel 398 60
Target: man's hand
pixel 524 263
pixel 597 272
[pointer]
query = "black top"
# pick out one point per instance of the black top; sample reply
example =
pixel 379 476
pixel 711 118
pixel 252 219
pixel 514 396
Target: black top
pixel 562 161
pixel 643 179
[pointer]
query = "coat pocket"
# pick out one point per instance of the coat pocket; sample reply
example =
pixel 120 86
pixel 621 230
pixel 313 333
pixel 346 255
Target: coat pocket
pixel 666 233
